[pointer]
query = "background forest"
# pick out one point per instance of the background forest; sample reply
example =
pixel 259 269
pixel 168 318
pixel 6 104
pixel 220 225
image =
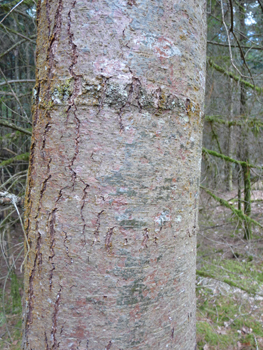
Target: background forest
pixel 230 242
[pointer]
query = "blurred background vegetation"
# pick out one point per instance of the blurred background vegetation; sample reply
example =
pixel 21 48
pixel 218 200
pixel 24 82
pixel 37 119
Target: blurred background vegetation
pixel 230 242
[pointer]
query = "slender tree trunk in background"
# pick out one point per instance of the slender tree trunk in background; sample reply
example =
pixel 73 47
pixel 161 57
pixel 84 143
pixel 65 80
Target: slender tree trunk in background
pixel 247 200
pixel 27 50
pixel 112 199
pixel 239 186
pixel 230 138
pixel 244 146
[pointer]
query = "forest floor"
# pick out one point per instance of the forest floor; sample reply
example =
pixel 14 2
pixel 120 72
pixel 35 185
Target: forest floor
pixel 229 285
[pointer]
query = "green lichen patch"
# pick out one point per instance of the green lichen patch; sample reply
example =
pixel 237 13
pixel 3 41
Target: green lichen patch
pixel 61 93
pixel 133 223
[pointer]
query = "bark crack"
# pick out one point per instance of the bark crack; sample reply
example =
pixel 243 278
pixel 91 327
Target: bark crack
pixel 76 91
pixel 31 280
pixel 55 344
pixel 108 238
pixel 96 232
pixel 81 211
pixel 53 38
pixel 65 241
pixel 47 128
pixel 52 220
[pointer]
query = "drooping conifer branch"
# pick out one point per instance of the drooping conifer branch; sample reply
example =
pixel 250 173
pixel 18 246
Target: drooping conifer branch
pixel 229 159
pixel 233 76
pixel 20 157
pixel 235 211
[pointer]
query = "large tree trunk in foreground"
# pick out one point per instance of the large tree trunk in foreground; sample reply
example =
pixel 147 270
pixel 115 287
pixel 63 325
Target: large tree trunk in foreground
pixel 111 210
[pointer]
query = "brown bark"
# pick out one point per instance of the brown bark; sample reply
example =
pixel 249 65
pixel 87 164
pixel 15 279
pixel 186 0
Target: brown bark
pixel 111 208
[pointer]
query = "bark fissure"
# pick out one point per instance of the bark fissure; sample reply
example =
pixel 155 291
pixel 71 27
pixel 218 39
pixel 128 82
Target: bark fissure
pixel 96 232
pixel 42 191
pixel 47 128
pixel 31 280
pixel 36 98
pixel 81 212
pixel 55 344
pixel 46 341
pixel 67 250
pixel 53 38
pixel 29 203
pixel 52 220
pixel 108 238
pixel 76 91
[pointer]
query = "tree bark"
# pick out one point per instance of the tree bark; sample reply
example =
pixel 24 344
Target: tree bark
pixel 112 198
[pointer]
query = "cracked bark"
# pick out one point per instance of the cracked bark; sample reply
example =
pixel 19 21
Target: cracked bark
pixel 113 179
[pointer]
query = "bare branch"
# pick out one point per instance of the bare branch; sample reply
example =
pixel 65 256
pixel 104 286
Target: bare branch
pixel 15 127
pixel 234 46
pixel 14 46
pixel 7 82
pixel 228 39
pixel 12 9
pixel 17 33
pixel 14 94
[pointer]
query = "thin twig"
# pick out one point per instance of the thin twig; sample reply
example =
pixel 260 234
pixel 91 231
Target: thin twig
pixel 12 9
pixel 233 46
pixel 8 82
pixel 228 39
pixel 15 127
pixel 14 94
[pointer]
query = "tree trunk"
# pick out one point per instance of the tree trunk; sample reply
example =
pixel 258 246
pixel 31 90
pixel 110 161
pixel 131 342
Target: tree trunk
pixel 230 139
pixel 112 198
pixel 244 144
pixel 247 200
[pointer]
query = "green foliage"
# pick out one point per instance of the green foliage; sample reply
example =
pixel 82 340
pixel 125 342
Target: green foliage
pixel 20 157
